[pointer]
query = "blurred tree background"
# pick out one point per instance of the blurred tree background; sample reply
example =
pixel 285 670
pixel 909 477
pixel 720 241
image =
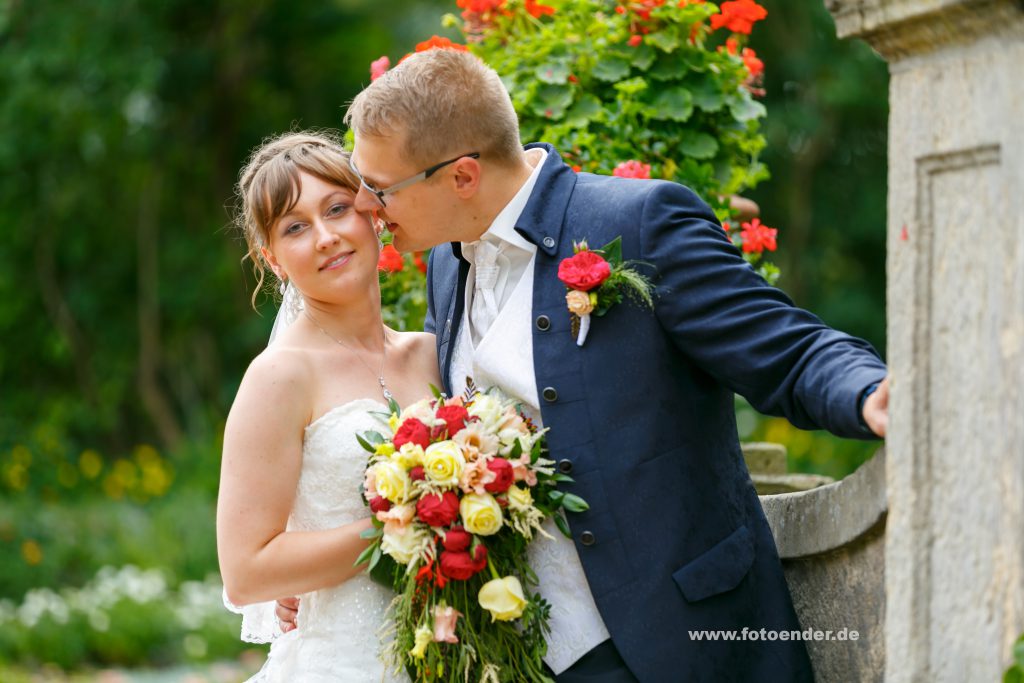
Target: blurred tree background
pixel 124 305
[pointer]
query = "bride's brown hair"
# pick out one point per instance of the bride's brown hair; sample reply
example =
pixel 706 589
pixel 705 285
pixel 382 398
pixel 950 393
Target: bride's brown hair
pixel 270 183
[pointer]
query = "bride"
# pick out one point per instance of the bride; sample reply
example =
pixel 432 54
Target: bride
pixel 289 513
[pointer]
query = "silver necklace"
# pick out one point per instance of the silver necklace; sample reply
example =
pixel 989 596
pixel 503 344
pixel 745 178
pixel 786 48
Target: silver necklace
pixel 388 396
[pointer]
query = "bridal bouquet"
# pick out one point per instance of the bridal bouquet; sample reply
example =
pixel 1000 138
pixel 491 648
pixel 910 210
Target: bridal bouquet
pixel 459 489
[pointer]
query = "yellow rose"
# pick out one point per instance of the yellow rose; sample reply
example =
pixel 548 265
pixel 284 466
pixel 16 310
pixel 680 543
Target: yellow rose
pixel 503 598
pixel 392 481
pixel 408 456
pixel 424 636
pixel 443 463
pixel 480 513
pixel 403 544
pixel 519 498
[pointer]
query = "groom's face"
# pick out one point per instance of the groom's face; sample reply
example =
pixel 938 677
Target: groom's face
pixel 419 215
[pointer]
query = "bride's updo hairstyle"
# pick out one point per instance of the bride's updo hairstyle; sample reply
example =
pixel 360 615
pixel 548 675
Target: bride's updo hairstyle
pixel 270 183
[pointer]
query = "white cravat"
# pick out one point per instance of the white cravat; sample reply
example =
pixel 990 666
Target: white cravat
pixel 484 308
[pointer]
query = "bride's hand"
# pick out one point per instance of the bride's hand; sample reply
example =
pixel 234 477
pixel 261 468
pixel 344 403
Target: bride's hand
pixel 287 611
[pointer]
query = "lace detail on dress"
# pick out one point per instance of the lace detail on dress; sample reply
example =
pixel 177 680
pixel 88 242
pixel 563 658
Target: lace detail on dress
pixel 337 638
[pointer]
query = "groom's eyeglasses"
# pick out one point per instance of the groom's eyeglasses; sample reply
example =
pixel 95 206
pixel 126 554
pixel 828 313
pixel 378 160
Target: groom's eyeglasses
pixel 422 175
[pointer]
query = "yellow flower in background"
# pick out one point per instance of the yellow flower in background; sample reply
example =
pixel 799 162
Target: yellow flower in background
pixel 443 463
pixel 424 636
pixel 32 553
pixel 480 513
pixel 90 463
pixel 503 598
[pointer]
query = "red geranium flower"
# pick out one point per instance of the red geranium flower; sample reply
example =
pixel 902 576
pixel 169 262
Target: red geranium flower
pixel 417 260
pixel 754 65
pixel 536 10
pixel 738 16
pixel 584 271
pixel 379 67
pixel 757 237
pixel 390 260
pixel 439 42
pixel 632 169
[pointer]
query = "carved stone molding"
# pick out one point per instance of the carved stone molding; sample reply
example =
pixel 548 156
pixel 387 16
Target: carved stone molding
pixel 901 28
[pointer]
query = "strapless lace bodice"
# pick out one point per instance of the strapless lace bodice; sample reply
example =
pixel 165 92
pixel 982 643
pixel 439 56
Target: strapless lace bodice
pixel 338 636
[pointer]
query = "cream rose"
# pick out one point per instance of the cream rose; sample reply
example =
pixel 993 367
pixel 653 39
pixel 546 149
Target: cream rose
pixel 480 513
pixel 420 410
pixel 579 302
pixel 408 456
pixel 443 463
pixel 503 598
pixel 404 544
pixel 489 409
pixel 391 481
pixel 519 498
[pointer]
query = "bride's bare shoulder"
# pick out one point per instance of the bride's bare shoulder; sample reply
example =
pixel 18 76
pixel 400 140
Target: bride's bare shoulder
pixel 280 371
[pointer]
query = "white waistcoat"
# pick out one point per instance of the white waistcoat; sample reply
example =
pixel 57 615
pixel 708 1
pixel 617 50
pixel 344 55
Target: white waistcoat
pixel 504 358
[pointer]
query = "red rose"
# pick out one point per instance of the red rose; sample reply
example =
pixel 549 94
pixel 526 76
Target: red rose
pixel 455 417
pixel 380 504
pixel 460 566
pixel 412 431
pixel 503 475
pixel 584 271
pixel 457 539
pixel 438 509
pixel 417 473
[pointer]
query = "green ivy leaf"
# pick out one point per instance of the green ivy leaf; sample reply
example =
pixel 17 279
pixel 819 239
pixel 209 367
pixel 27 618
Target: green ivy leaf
pixel 663 40
pixel 611 68
pixel 675 104
pixel 698 145
pixel 555 73
pixel 587 108
pixel 631 86
pixel 746 108
pixel 643 56
pixel 552 101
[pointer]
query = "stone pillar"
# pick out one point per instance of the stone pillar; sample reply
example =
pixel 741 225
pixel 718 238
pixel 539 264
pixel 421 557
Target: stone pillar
pixel 954 543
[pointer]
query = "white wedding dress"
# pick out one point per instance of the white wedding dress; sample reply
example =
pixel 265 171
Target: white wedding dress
pixel 338 638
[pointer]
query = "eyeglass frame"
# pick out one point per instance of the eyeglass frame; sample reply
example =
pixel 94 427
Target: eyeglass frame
pixel 402 184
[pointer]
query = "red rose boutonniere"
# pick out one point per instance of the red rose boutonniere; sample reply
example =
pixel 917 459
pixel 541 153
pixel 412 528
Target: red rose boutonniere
pixel 597 280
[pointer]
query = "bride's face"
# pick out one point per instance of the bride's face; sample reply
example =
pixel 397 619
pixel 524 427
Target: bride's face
pixel 323 245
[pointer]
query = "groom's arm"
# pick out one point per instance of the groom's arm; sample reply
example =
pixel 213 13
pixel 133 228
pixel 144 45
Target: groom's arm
pixel 745 333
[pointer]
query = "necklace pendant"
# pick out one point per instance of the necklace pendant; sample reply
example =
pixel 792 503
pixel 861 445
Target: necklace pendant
pixel 388 396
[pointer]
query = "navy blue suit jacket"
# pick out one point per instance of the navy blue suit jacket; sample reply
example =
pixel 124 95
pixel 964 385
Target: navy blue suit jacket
pixel 644 412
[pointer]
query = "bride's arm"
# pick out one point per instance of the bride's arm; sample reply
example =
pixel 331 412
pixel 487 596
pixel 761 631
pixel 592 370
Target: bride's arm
pixel 262 458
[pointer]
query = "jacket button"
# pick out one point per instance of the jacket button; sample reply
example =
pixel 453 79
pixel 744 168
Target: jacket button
pixel 565 466
pixel 543 323
pixel 587 538
pixel 549 242
pixel 549 394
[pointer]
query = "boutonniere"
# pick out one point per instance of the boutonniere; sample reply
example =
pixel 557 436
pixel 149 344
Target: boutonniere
pixel 597 280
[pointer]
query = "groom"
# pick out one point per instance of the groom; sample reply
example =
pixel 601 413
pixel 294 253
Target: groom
pixel 641 415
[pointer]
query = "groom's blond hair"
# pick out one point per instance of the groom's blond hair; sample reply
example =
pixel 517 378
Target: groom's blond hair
pixel 445 102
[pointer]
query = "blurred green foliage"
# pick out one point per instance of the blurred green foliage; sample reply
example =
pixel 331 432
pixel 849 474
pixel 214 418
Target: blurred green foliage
pixel 125 313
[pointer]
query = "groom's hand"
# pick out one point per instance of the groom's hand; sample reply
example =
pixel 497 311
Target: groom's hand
pixel 287 612
pixel 876 409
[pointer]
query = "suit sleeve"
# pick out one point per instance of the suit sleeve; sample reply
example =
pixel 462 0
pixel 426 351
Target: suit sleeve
pixel 746 334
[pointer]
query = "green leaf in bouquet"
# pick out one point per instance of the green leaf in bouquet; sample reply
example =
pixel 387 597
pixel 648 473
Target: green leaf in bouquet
pixel 366 554
pixel 574 503
pixel 367 441
pixel 386 572
pixel 437 393
pixel 374 558
pixel 394 407
pixel 562 478
pixel 556 497
pixel 562 524
pixel 517 450
pixel 611 68
pixel 613 251
pixel 372 532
